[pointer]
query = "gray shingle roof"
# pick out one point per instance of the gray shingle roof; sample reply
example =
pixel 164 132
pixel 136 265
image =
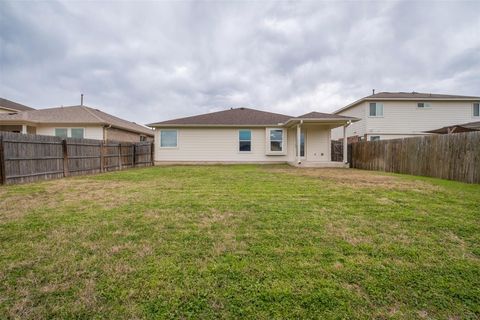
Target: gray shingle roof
pixel 75 114
pixel 416 95
pixel 8 104
pixel 237 116
pixel 407 96
pixel 321 115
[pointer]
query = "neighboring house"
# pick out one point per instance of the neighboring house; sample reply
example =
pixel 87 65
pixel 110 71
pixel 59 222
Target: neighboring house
pixel 243 135
pixel 8 106
pixel 76 122
pixel 458 128
pixel 390 115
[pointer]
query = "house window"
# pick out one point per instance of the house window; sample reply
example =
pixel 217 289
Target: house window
pixel 376 109
pixel 374 138
pixel 244 141
pixel 476 109
pixel 78 133
pixel 276 140
pixel 61 132
pixel 302 144
pixel 168 138
pixel 423 105
pixel 143 138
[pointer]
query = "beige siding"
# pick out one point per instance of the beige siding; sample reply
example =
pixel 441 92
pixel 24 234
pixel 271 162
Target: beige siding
pixel 355 129
pixel 2 110
pixel 90 132
pixel 317 140
pixel 404 118
pixel 122 135
pixel 220 144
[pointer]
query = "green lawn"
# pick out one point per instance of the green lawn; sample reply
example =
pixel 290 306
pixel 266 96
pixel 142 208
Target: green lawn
pixel 259 242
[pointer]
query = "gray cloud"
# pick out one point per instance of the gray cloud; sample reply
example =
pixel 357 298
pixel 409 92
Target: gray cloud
pixel 151 61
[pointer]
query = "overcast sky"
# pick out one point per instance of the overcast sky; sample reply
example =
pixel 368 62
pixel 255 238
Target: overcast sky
pixel 152 61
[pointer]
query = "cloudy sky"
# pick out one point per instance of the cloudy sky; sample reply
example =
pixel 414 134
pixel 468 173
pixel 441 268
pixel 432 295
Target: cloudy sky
pixel 149 61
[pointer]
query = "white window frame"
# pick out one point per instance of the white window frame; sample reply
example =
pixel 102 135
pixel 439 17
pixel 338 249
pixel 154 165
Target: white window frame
pixel 70 131
pixel 473 109
pixel 426 105
pixel 240 140
pixel 377 104
pixel 160 138
pixel 268 144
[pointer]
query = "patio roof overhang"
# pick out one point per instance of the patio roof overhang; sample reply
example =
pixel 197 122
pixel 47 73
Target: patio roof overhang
pixel 330 122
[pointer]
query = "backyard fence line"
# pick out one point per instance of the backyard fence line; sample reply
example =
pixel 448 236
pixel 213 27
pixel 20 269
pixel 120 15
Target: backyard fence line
pixel 453 156
pixel 28 158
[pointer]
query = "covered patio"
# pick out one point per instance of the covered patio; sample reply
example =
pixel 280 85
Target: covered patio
pixel 313 139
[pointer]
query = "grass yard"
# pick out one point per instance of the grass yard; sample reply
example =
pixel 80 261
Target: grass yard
pixel 243 241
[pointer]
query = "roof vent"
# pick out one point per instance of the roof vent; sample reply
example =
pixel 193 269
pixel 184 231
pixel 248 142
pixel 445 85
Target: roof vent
pixel 373 91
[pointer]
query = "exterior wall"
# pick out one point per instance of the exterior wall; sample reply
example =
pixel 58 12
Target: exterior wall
pixel 393 136
pixel 405 119
pixel 220 145
pixel 92 132
pixel 356 128
pixel 115 134
pixel 317 143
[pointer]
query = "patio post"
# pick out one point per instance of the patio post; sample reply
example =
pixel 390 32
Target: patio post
pixel 345 147
pixel 24 128
pixel 299 141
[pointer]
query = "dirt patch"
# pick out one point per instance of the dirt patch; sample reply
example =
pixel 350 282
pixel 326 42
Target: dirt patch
pixel 357 178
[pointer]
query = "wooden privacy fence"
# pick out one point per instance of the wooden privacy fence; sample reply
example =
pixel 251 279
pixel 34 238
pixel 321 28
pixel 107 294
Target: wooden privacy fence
pixel 452 156
pixel 27 157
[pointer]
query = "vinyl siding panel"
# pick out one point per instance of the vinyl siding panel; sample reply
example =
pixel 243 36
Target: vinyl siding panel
pixel 317 144
pixel 220 144
pixel 95 132
pixel 405 118
pixel 356 128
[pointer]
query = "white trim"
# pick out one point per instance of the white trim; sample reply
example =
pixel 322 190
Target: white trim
pixel 160 138
pixel 268 150
pixel 473 110
pixel 238 141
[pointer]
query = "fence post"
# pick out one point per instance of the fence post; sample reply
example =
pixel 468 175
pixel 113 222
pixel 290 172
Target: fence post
pixel 3 173
pixel 102 157
pixel 65 158
pixel 152 153
pixel 119 156
pixel 134 154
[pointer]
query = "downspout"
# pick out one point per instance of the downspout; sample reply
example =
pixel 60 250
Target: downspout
pixel 345 142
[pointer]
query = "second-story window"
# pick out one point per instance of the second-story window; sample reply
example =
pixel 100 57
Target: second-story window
pixel 423 105
pixel 376 109
pixel 476 109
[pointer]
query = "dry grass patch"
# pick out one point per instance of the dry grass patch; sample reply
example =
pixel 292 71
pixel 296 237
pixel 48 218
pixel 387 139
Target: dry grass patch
pixel 354 178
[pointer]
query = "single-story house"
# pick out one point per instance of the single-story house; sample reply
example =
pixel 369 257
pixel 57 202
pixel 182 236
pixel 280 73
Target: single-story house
pixel 244 135
pixel 76 122
pixel 457 128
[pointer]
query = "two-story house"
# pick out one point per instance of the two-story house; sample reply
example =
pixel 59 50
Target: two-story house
pixel 391 115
